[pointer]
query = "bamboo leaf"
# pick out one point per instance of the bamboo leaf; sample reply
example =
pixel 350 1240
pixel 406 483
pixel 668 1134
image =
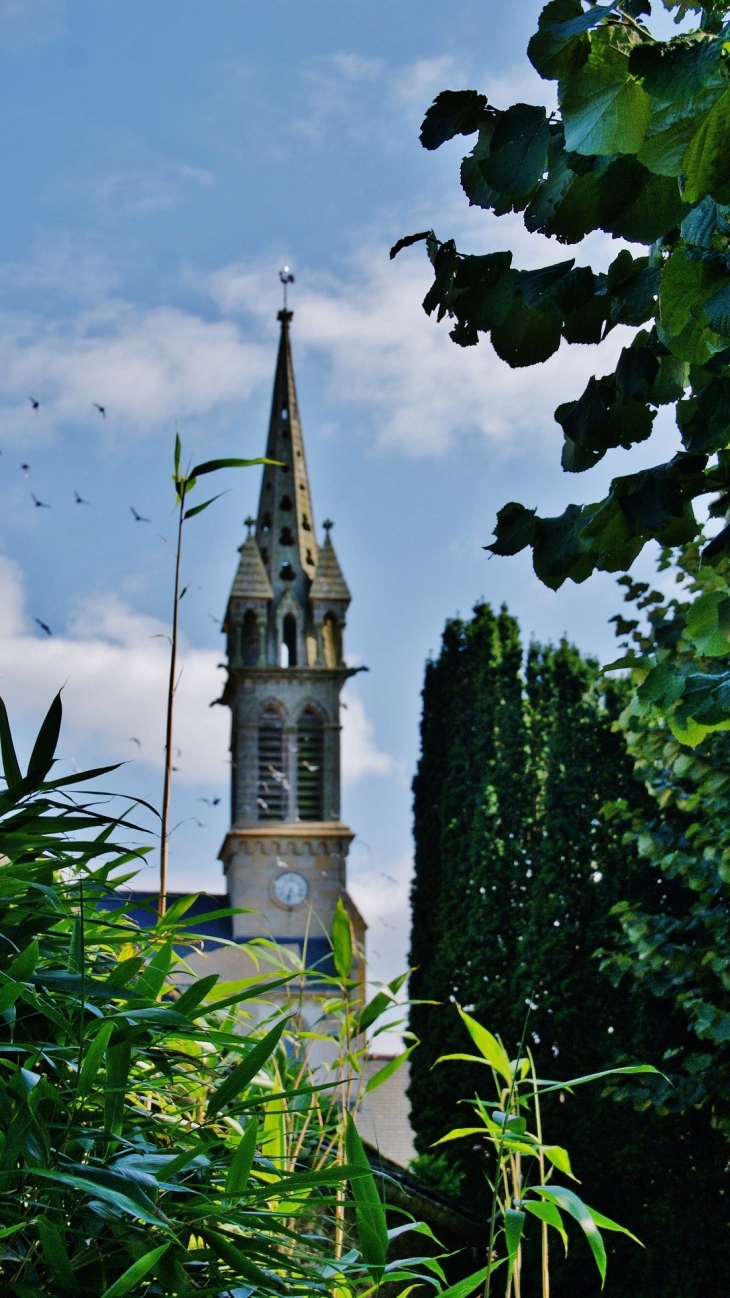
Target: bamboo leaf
pixel 24 965
pixel 560 1158
pixel 242 1161
pixel 192 996
pixel 514 1220
pixel 387 1071
pixel 547 1086
pixel 135 1272
pixel 93 1058
pixel 342 940
pixel 56 1256
pixel 490 1046
pixel 369 1210
pixel 245 1071
pixel 152 979
pixel 198 509
pixel 236 1259
pixel 547 1212
pixel 7 748
pixel 118 1060
pixel 568 1200
pixel 41 759
pixel 212 466
pixel 458 1132
pixel 471 1282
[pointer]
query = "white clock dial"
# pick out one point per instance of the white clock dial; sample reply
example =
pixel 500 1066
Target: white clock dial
pixel 290 888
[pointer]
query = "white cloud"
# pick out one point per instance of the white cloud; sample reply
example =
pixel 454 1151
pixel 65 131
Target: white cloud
pixel 381 891
pixel 145 192
pixel 113 665
pixel 360 753
pixel 388 358
pixel 146 366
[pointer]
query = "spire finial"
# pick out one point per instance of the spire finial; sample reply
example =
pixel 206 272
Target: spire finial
pixel 328 525
pixel 250 523
pixel 286 278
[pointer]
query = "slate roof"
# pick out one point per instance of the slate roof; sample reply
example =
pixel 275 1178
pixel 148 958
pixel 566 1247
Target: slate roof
pixel 251 580
pixel 329 584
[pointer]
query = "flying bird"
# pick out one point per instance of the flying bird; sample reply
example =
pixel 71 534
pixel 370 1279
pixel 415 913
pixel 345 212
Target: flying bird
pixel 79 499
pixel 26 469
pixel 35 404
pixel 39 504
pixel 212 802
pixel 44 626
pixel 101 409
pixel 138 518
pixel 134 740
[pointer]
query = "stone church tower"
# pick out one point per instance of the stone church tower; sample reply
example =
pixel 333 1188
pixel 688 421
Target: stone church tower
pixel 285 854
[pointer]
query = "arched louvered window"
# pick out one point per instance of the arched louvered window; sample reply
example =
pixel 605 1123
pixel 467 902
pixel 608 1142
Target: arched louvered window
pixel 310 772
pixel 273 787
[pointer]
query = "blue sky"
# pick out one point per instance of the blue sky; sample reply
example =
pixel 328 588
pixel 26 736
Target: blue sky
pixel 160 162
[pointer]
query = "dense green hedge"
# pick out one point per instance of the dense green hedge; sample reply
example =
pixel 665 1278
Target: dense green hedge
pixel 516 872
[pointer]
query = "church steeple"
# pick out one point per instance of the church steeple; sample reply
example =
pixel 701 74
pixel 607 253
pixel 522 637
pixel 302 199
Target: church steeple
pixel 285 523
pixel 285 853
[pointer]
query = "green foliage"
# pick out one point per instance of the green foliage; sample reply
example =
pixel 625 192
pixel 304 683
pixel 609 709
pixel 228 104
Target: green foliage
pixel 516 874
pixel 155 1135
pixel 680 950
pixel 640 148
pixel 524 1163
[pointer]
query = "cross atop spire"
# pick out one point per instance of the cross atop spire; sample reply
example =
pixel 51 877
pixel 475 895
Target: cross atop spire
pixel 286 278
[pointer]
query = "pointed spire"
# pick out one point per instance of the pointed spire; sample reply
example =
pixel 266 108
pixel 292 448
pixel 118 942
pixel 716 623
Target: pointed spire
pixel 285 523
pixel 329 585
pixel 251 580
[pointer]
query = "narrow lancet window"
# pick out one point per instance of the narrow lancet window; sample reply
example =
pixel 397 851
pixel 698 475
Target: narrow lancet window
pixel 250 639
pixel 310 753
pixel 272 799
pixel 289 641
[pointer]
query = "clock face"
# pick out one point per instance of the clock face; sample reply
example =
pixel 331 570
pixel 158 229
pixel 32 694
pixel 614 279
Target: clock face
pixel 290 888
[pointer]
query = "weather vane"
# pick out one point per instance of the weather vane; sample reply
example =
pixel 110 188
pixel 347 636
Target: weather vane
pixel 286 278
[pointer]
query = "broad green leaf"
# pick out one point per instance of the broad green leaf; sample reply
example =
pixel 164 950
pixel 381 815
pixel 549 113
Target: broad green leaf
pixel 517 155
pixel 56 1256
pixel 372 1011
pixel 342 940
pixel 9 993
pixel 245 1071
pixel 93 1058
pixel 242 1161
pixel 607 1224
pixel 7 749
pixel 490 1046
pixel 135 1272
pixel 706 163
pixel 514 1220
pixel 388 1070
pixel 703 627
pixel 453 112
pixel 471 1282
pixel 605 110
pixel 369 1211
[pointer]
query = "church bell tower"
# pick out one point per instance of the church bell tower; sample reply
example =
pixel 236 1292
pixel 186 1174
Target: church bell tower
pixel 285 853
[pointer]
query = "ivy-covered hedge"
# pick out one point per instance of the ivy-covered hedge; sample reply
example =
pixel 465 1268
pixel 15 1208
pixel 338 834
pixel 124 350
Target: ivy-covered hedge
pixel 516 873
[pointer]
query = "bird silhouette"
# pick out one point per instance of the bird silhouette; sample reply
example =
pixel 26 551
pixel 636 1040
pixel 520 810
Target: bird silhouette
pixel 44 626
pixel 212 802
pixel 35 404
pixel 101 409
pixel 134 740
pixel 26 469
pixel 138 518
pixel 79 499
pixel 39 504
